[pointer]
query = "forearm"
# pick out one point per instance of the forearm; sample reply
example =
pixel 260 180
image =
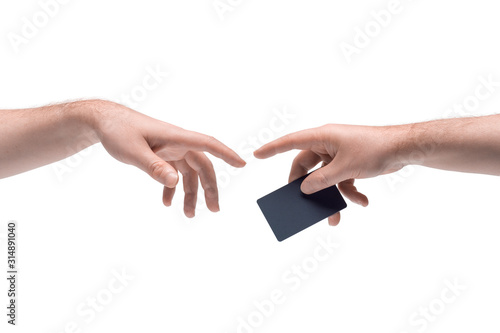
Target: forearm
pixel 462 144
pixel 30 138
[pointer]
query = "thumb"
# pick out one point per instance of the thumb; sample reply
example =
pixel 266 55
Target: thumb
pixel 322 178
pixel 157 168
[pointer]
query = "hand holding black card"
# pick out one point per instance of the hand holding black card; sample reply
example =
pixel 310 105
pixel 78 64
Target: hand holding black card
pixel 289 211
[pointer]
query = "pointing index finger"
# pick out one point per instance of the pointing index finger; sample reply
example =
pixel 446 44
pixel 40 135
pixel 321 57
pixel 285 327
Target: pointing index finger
pixel 298 140
pixel 202 142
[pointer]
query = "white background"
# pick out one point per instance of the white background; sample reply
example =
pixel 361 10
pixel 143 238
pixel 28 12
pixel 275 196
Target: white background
pixel 226 76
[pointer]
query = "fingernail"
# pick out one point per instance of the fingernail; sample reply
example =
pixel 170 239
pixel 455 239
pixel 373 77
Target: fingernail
pixel 241 163
pixel 306 188
pixel 171 179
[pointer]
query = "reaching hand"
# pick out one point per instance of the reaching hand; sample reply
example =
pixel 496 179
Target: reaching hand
pixel 347 152
pixel 161 150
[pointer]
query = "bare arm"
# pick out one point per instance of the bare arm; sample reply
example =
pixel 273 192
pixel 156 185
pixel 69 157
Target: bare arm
pixel 352 152
pixel 463 144
pixel 34 137
pixel 31 138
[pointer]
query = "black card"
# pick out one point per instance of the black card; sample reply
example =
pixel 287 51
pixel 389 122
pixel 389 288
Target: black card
pixel 289 211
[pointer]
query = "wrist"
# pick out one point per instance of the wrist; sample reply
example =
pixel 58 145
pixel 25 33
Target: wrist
pixel 414 144
pixel 91 114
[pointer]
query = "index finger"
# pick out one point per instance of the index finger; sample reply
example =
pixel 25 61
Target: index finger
pixel 202 142
pixel 299 140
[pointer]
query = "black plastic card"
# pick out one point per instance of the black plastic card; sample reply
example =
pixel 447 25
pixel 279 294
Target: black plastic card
pixel 289 211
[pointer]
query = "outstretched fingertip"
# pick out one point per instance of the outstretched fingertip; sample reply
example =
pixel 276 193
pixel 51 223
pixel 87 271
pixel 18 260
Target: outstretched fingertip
pixel 233 159
pixel 257 154
pixel 241 163
pixel 264 152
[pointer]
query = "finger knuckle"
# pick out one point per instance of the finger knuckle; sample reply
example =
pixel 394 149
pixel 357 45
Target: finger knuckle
pixel 190 201
pixel 211 191
pixel 189 193
pixel 323 179
pixel 211 140
pixel 156 169
pixel 326 128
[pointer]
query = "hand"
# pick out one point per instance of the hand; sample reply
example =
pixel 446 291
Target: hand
pixel 347 152
pixel 161 150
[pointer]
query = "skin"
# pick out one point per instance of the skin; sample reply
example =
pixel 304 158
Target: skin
pixel 350 152
pixel 30 138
